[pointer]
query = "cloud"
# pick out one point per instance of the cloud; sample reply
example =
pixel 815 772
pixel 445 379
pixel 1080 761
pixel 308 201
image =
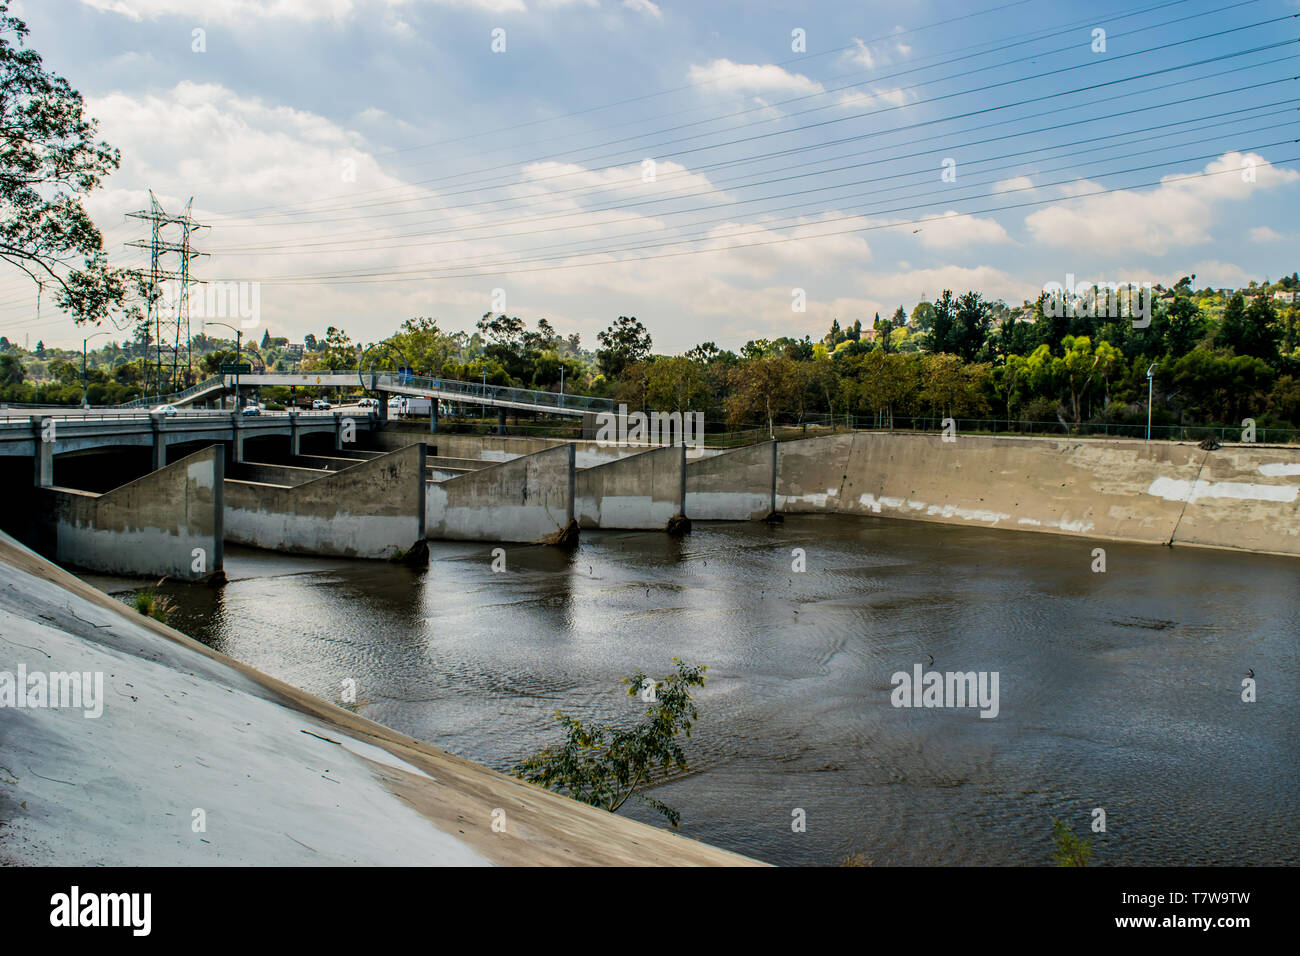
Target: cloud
pixel 1178 212
pixel 242 11
pixel 952 230
pixel 1265 234
pixel 645 8
pixel 860 54
pixel 860 99
pixel 729 77
pixel 1023 183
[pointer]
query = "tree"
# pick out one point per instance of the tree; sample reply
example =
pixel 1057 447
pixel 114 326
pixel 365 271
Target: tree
pixel 50 159
pixel 624 342
pixel 11 370
pixel 943 324
pixel 763 386
pixel 606 766
pixel 1070 850
pixel 676 384
pixel 420 343
pixel 1184 326
pixel 973 320
pixel 339 352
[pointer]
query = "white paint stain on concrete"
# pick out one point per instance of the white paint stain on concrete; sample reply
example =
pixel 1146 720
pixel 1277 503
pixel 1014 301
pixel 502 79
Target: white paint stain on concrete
pixel 1180 489
pixel 816 499
pixel 1279 470
pixel 202 473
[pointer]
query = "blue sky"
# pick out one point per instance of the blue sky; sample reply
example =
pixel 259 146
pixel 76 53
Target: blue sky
pixel 369 160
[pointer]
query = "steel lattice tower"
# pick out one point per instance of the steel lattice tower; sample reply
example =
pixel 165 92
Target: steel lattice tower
pixel 169 324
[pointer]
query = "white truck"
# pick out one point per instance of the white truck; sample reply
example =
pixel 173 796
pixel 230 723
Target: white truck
pixel 414 407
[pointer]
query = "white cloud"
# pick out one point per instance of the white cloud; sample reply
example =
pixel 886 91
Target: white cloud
pixel 860 54
pixel 644 7
pixel 241 11
pixel 952 230
pixel 732 77
pixel 1178 212
pixel 1265 234
pixel 1022 183
pixel 860 99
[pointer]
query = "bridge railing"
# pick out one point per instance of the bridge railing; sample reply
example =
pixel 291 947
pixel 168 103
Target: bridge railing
pixel 150 400
pixel 478 392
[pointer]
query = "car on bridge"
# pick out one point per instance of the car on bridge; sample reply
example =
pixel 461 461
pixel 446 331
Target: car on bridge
pixel 321 405
pixel 250 410
pixel 165 410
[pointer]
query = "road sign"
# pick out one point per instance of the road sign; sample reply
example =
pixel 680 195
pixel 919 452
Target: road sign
pixel 235 369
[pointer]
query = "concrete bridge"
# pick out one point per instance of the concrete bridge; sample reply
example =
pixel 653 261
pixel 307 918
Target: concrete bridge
pixel 53 433
pixel 500 397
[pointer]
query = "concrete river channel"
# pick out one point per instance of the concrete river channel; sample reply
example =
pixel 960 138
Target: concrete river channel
pixel 1119 690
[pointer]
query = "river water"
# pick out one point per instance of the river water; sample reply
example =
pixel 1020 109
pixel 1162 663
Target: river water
pixel 1119 690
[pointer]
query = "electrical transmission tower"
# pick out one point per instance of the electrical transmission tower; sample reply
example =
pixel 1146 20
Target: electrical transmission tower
pixel 168 317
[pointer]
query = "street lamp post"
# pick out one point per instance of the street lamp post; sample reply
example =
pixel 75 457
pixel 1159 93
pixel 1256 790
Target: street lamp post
pixel 239 336
pixel 1150 379
pixel 84 403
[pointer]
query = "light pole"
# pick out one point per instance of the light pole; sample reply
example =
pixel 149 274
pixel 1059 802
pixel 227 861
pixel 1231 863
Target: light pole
pixel 239 336
pixel 1150 379
pixel 561 384
pixel 84 403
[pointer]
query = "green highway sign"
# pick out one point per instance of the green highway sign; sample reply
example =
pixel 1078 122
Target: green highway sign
pixel 235 369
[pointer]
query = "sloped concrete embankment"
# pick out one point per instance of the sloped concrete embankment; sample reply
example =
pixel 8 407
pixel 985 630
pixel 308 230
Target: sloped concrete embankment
pixel 737 485
pixel 525 499
pixel 197 759
pixel 644 491
pixel 370 510
pixel 1158 492
pixel 168 523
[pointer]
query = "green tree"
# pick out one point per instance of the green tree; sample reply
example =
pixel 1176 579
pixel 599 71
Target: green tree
pixel 605 766
pixel 49 160
pixel 339 351
pixel 1070 849
pixel 943 324
pixel 624 342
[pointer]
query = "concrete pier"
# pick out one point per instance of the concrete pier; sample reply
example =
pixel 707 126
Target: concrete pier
pixel 373 509
pixel 525 499
pixel 737 485
pixel 168 523
pixel 644 491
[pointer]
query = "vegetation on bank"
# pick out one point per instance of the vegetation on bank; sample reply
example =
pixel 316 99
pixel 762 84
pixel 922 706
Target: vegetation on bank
pixel 605 766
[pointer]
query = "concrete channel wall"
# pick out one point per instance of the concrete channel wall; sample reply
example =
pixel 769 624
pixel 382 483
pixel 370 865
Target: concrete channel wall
pixel 1159 492
pixel 525 499
pixel 288 475
pixel 168 523
pixel 490 448
pixel 640 491
pixel 370 510
pixel 737 485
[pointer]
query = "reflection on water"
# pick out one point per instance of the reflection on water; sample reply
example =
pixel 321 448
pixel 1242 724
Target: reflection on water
pixel 1119 690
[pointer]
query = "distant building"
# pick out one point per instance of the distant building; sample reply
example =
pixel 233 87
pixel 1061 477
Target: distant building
pixel 1285 296
pixel 294 349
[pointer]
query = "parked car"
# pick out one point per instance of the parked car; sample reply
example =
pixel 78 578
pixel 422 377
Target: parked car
pixel 395 402
pixel 165 410
pixel 321 405
pixel 367 403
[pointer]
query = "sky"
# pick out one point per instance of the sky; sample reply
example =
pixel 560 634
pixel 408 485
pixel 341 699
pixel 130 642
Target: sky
pixel 722 171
